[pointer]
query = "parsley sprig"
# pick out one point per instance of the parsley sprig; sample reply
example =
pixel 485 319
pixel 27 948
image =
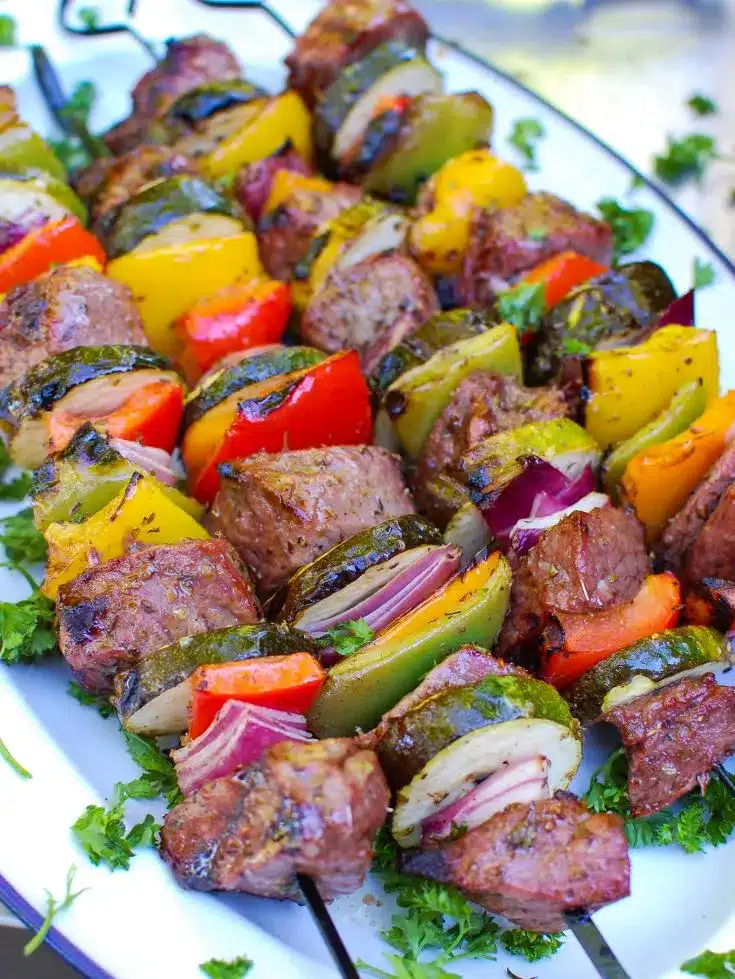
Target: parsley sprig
pixel 685 159
pixel 220 969
pixel 23 543
pixel 348 637
pixel 525 137
pixel 53 908
pixel 6 755
pixel 16 489
pixel 631 227
pixel 711 965
pixel 702 105
pixel 27 627
pixel 103 705
pixel 103 836
pixel 523 306
pixel 159 774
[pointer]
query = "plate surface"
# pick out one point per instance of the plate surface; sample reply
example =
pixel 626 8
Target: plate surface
pixel 139 924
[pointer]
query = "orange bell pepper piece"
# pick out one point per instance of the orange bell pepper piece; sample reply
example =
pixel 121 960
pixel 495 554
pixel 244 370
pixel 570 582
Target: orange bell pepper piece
pixel 561 273
pixel 588 639
pixel 55 243
pixel 289 683
pixel 658 480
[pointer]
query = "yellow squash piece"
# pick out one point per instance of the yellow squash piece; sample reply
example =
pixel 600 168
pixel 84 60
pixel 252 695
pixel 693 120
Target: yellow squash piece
pixel 474 179
pixel 166 282
pixel 283 118
pixel 141 514
pixel 631 385
pixel 285 182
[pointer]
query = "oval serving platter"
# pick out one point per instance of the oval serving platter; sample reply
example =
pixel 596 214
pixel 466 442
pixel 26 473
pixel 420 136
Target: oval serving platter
pixel 138 924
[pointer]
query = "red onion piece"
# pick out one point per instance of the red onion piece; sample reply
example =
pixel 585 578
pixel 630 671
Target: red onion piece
pixel 527 532
pixel 523 781
pixel 155 461
pixel 253 183
pixel 679 313
pixel 237 737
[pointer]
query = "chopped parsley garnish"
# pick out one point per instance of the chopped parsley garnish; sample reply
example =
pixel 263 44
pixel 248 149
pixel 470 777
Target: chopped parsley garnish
pixel 53 907
pixel 219 969
pixel 531 945
pixel 12 761
pixel 630 226
pixel 701 819
pixel 348 637
pixel 89 17
pixel 525 137
pixel 17 489
pixel 703 274
pixel 102 834
pixel 91 700
pixel 702 105
pixel 23 543
pixel 636 183
pixel 27 627
pixel 685 159
pixel 7 31
pixel 159 776
pixel 711 965
pixel 523 305
pixel 574 347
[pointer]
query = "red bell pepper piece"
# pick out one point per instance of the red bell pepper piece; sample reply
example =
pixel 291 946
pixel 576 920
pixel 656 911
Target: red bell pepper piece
pixel 588 639
pixel 561 273
pixel 289 683
pixel 328 404
pixel 247 314
pixel 53 244
pixel 151 416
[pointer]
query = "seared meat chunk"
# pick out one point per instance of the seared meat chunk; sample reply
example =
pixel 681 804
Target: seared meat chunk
pixel 309 808
pixel 284 234
pixel 281 511
pixel 345 31
pixel 119 612
pixel 483 404
pixel 534 861
pixel 713 554
pixel 509 241
pixel 586 562
pixel 673 737
pixel 369 307
pixel 64 308
pixel 468 665
pixel 188 63
pixel 253 182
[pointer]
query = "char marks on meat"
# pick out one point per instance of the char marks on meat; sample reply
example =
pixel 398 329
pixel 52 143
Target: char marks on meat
pixel 509 241
pixel 188 63
pixel 713 553
pixel 64 308
pixel 303 809
pixel 585 563
pixel 123 610
pixel 282 511
pixel 344 32
pixel 673 736
pixel 369 307
pixel 534 861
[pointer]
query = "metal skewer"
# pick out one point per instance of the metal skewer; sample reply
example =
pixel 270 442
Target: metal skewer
pixel 597 950
pixel 327 927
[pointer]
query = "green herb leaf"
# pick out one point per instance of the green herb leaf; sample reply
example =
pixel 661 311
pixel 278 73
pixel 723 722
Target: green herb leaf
pixel 13 762
pixel 523 305
pixel 17 489
pixel 525 137
pixel 685 158
pixel 71 152
pixel 22 542
pixel 144 833
pixel 219 969
pixel 712 965
pixel 407 969
pixel 52 909
pixel 702 105
pixel 636 182
pixel 630 227
pixel 91 700
pixel 81 102
pixel 7 31
pixel 531 945
pixel 102 835
pixel 27 627
pixel 575 347
pixel 703 274
pixel 160 774
pixel 89 17
pixel 348 637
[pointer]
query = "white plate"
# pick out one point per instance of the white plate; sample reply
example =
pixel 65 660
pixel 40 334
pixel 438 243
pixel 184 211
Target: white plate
pixel 139 924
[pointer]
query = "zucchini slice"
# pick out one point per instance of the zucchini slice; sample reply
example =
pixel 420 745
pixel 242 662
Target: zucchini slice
pixel 193 227
pixel 198 104
pixel 37 193
pixel 663 657
pixel 214 131
pixel 346 562
pixel 77 482
pixel 153 698
pixel 344 112
pixel 439 751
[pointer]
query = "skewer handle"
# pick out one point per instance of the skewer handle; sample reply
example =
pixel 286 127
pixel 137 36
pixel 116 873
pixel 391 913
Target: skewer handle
pixel 327 927
pixel 596 948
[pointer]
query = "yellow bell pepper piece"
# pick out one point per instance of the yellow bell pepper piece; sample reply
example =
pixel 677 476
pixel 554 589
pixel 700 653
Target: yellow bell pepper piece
pixel 658 480
pixel 477 178
pixel 141 514
pixel 166 282
pixel 631 385
pixel 285 182
pixel 284 117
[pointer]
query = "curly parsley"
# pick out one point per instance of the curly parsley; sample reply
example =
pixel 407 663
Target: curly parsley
pixel 631 227
pixel 348 637
pixel 531 945
pixel 525 137
pixel 219 969
pixel 53 907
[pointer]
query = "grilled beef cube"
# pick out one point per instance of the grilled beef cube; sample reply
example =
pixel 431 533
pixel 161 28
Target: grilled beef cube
pixel 64 308
pixel 585 563
pixel 469 664
pixel 119 612
pixel 369 307
pixel 285 233
pixel 507 242
pixel 309 808
pixel 483 404
pixel 534 861
pixel 345 32
pixel 189 62
pixel 685 527
pixel 673 736
pixel 282 511
pixel 713 553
